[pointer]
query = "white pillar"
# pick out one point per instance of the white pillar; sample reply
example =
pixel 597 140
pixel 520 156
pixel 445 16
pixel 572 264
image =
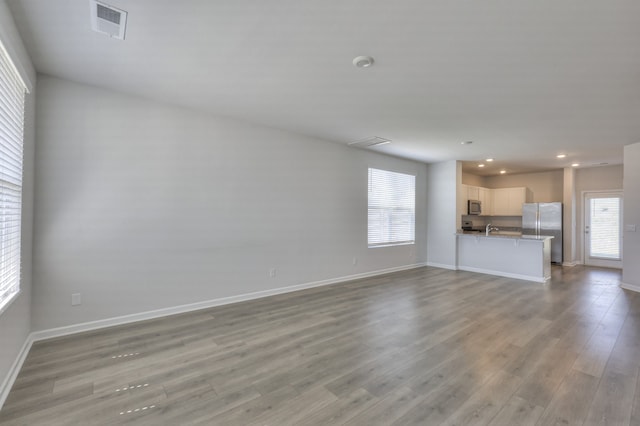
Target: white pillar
pixel 631 216
pixel 569 217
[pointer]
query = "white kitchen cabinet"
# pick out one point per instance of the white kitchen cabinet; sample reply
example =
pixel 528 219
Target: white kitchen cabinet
pixel 473 192
pixel 500 201
pixel 462 200
pixel 495 202
pixel 509 201
pixel 517 197
pixel 477 193
pixel 486 200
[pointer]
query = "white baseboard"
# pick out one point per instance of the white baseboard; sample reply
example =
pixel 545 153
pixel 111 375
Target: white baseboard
pixel 142 316
pixel 442 265
pixel 569 264
pixel 505 274
pixel 5 388
pixel 632 287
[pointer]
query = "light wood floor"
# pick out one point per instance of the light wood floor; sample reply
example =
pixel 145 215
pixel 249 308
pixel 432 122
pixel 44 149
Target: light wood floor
pixel 420 347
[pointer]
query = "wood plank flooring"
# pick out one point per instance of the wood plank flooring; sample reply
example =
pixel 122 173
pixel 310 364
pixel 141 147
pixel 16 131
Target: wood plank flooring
pixel 421 347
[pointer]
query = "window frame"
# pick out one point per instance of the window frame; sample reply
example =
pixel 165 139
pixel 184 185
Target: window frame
pixel 12 117
pixel 391 210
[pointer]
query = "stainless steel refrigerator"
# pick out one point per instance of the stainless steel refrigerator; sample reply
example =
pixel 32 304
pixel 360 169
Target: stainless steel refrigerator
pixel 544 219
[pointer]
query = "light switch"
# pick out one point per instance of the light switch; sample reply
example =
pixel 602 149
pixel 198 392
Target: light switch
pixel 630 228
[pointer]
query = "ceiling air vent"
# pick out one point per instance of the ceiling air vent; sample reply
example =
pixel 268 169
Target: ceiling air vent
pixel 108 20
pixel 369 142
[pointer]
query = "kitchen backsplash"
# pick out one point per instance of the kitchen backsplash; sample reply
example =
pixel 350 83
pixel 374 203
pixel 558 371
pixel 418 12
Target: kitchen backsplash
pixel 506 223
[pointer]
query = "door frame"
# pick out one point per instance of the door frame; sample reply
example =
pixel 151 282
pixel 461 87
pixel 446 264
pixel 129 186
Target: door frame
pixel 585 211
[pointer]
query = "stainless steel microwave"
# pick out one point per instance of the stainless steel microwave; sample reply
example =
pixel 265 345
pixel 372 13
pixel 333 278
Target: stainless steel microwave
pixel 474 207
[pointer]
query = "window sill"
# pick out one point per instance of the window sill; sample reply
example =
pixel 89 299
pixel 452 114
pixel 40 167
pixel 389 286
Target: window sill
pixel 5 305
pixel 405 243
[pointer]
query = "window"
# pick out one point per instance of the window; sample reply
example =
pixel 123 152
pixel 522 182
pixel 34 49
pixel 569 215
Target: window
pixel 12 92
pixel 604 237
pixel 392 201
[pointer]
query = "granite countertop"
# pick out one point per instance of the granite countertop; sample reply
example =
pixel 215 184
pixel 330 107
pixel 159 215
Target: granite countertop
pixel 507 234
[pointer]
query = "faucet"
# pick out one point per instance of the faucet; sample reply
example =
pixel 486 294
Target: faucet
pixel 490 229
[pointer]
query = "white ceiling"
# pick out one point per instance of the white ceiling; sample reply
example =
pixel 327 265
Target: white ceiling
pixel 524 80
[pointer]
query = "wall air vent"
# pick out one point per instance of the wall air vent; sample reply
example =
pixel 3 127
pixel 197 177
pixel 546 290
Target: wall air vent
pixel 369 142
pixel 108 20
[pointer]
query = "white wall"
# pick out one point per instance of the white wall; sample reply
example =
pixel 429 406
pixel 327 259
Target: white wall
pixel 473 180
pixel 631 242
pixel 593 179
pixel 144 206
pixel 599 178
pixel 15 322
pixel 546 186
pixel 443 213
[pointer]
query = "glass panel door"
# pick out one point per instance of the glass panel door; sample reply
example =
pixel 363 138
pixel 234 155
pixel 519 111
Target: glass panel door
pixel 603 229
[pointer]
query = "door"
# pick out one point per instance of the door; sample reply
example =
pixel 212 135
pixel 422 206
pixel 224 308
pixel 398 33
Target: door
pixel 603 229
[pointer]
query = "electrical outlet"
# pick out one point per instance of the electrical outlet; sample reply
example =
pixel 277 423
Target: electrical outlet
pixel 76 299
pixel 272 272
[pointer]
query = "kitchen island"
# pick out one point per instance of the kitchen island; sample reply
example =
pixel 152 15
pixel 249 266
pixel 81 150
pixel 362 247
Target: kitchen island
pixel 524 257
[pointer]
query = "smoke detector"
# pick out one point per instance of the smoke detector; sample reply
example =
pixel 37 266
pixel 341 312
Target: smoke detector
pixel 108 20
pixel 363 61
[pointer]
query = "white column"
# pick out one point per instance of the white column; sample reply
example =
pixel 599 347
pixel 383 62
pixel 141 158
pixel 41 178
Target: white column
pixel 631 217
pixel 569 217
pixel 442 209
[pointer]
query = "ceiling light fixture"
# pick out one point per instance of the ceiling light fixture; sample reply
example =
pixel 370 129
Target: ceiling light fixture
pixel 575 164
pixel 466 143
pixel 480 165
pixel 363 61
pixel 561 155
pixel 503 172
pixel 489 160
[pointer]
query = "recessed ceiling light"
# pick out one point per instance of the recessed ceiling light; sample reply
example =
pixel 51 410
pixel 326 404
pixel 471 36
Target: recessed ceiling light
pixel 503 172
pixel 575 164
pixel 489 160
pixel 561 155
pixel 480 165
pixel 363 61
pixel 466 143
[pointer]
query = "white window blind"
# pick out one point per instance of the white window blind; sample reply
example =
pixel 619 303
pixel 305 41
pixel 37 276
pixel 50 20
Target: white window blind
pixel 12 92
pixel 605 228
pixel 392 201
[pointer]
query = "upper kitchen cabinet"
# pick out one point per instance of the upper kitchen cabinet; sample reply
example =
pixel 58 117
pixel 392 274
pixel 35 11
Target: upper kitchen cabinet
pixel 486 199
pixel 495 202
pixel 476 193
pixel 473 192
pixel 462 199
pixel 509 201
